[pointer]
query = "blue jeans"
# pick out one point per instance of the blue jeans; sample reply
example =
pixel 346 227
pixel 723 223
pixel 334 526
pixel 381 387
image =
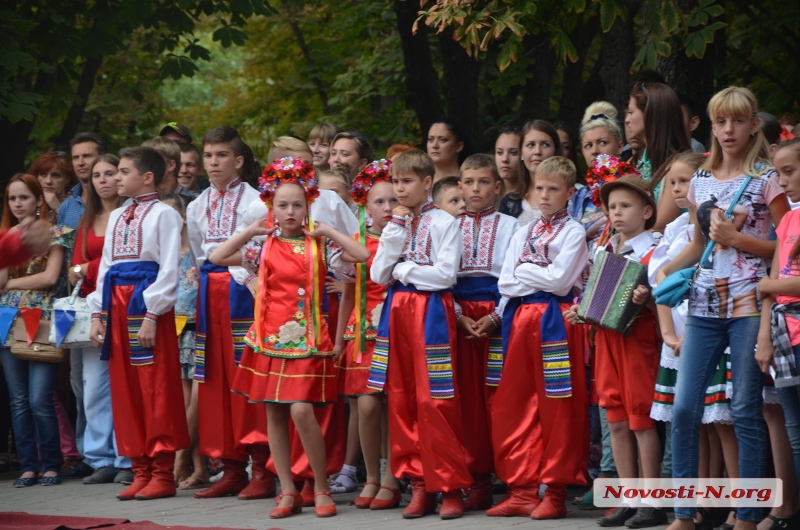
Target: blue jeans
pixel 30 388
pixel 790 401
pixel 76 381
pixel 704 342
pixel 99 442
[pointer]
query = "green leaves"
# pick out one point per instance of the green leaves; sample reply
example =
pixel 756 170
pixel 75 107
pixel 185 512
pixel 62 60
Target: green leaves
pixel 177 66
pixel 228 36
pixel 19 105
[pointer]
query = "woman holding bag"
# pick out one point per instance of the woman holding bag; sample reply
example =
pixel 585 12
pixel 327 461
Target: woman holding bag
pixel 99 445
pixel 32 285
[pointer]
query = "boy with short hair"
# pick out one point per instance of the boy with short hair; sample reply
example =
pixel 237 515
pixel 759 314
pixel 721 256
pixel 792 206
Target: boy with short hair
pixel 414 360
pixel 447 196
pixel 136 291
pixel 485 234
pixel 540 425
pixel 171 152
pixel 230 428
pixel 626 366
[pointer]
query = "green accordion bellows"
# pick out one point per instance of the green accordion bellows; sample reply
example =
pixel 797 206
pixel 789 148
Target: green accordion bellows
pixel 607 298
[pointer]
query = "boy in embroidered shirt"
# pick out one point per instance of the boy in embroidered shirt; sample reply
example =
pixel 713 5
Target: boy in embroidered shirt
pixel 626 367
pixel 485 234
pixel 229 427
pixel 447 196
pixel 420 251
pixel 136 290
pixel 540 426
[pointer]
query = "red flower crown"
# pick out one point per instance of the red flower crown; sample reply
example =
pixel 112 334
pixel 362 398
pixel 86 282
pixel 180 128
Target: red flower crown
pixel 376 171
pixel 606 168
pixel 288 170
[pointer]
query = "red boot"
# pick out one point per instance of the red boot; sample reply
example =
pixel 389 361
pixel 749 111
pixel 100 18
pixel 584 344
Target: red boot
pixel 141 467
pixel 162 481
pixel 234 480
pixel 262 482
pixel 422 501
pixel 552 506
pixel 480 494
pixel 522 501
pixel 452 505
pixel 308 493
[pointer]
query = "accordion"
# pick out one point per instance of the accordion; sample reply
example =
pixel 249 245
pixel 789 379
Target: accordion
pixel 607 299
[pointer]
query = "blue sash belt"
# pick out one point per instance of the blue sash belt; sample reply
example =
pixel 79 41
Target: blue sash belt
pixel 140 274
pixel 484 289
pixel 555 349
pixel 437 344
pixel 240 306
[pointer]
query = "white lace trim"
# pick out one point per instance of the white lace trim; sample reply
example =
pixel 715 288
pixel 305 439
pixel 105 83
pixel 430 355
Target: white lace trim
pixel 670 362
pixel 720 413
pixel 661 412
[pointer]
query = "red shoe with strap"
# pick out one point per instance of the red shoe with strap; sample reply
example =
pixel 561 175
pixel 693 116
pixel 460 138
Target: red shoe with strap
pixel 325 511
pixel 387 504
pixel 364 502
pixel 282 512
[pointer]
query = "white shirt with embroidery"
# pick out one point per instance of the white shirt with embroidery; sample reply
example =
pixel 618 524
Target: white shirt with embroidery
pixel 425 253
pixel 546 256
pixel 485 236
pixel 146 230
pixel 636 248
pixel 213 217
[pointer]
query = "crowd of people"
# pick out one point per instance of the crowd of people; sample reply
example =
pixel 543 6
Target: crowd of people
pixel 418 313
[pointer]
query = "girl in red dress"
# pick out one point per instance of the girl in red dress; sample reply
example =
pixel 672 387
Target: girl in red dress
pixel 289 360
pixel 363 301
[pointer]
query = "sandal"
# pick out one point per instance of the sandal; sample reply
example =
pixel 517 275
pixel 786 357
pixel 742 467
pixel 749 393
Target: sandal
pixel 25 482
pixel 193 483
pixel 779 524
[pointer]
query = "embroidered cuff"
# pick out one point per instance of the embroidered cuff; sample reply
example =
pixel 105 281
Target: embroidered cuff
pixel 152 317
pixel 497 319
pixel 459 314
pixel 400 221
pixel 250 279
pixel 97 316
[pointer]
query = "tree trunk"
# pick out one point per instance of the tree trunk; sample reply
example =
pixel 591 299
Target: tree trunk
pixel 618 52
pixel 461 77
pixel 571 106
pixel 536 97
pixel 75 115
pixel 689 76
pixel 421 76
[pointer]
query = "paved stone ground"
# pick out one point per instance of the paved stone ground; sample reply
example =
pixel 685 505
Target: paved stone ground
pixel 76 499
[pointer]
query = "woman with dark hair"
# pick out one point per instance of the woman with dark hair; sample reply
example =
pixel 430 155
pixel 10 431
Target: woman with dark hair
pixel 658 105
pixel 448 146
pixel 55 174
pixel 352 150
pixel 100 463
pixel 34 285
pixel 539 141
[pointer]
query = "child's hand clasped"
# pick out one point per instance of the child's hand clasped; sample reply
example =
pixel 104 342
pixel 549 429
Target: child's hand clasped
pixel 320 230
pixel 640 295
pixel 402 211
pixel 571 314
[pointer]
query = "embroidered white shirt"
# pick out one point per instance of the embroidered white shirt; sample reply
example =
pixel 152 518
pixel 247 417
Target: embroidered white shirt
pixel 541 260
pixel 426 253
pixel 213 217
pixel 485 236
pixel 149 232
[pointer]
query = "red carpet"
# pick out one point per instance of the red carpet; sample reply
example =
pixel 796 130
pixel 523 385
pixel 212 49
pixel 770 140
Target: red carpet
pixel 27 521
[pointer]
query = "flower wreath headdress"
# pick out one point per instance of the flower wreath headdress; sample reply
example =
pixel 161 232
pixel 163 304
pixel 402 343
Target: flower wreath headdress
pixel 295 171
pixel 374 172
pixel 606 168
pixel 288 170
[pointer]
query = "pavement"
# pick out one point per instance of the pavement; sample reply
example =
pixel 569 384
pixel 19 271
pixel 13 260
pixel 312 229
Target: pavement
pixel 73 498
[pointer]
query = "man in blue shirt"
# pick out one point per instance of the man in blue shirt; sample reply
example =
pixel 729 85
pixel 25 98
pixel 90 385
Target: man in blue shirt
pixel 86 147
